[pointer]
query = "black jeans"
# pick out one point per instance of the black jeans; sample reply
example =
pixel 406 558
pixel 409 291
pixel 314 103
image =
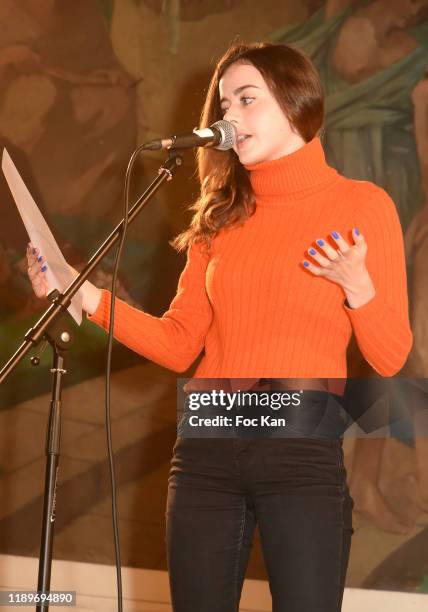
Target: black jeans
pixel 294 489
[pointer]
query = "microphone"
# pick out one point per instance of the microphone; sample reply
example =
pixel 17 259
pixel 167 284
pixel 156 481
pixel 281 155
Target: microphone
pixel 221 135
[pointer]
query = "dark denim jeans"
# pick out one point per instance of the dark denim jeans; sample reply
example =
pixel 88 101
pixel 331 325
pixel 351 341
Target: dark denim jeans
pixel 294 489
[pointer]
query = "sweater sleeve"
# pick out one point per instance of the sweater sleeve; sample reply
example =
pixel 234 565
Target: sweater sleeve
pixel 175 339
pixel 381 326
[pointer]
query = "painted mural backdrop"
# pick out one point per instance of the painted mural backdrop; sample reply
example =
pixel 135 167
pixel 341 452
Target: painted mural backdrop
pixel 82 82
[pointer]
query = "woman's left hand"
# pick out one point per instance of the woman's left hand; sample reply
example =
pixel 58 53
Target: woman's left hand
pixel 344 266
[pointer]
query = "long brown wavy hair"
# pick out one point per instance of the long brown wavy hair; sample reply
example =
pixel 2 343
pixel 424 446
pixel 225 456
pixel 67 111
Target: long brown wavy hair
pixel 226 197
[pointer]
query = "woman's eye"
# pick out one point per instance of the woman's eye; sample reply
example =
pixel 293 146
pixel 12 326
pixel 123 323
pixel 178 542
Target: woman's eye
pixel 246 100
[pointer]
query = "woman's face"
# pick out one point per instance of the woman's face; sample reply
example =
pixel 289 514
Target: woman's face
pixel 249 105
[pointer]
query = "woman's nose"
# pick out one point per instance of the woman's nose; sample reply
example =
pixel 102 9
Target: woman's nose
pixel 231 116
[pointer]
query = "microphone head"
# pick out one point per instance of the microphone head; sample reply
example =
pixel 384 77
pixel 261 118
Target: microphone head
pixel 227 134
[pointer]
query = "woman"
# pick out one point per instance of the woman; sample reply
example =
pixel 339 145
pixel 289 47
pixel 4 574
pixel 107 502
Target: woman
pixel 277 243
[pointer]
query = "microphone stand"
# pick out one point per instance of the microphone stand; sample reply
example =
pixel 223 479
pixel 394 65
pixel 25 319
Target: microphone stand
pixel 54 328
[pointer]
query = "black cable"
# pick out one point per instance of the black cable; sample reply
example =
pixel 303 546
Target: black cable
pixel 108 374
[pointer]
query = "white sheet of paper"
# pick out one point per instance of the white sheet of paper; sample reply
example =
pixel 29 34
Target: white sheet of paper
pixel 58 274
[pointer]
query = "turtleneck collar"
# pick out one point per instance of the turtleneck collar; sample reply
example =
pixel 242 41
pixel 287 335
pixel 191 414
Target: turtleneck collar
pixel 285 180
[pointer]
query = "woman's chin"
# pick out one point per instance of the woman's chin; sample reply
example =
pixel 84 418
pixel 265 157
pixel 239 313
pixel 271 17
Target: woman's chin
pixel 248 158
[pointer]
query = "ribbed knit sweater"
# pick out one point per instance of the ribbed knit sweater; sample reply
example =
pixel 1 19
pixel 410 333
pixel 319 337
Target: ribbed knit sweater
pixel 256 310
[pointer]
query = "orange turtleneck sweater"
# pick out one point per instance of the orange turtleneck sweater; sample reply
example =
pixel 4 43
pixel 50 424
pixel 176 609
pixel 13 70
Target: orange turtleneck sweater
pixel 252 305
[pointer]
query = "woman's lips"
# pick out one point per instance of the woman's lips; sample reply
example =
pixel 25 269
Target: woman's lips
pixel 242 143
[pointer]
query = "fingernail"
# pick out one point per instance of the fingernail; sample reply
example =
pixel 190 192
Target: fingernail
pixel 39 258
pixel 44 268
pixel 306 263
pixel 312 251
pixel 357 231
pixel 320 242
pixel 335 235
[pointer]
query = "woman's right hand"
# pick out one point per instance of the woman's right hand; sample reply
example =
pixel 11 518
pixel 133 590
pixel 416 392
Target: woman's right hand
pixel 37 271
pixel 37 267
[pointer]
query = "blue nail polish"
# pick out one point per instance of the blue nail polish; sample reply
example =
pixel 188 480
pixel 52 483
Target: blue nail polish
pixel 357 231
pixel 306 263
pixel 312 251
pixel 320 242
pixel 39 258
pixel 44 268
pixel 335 235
